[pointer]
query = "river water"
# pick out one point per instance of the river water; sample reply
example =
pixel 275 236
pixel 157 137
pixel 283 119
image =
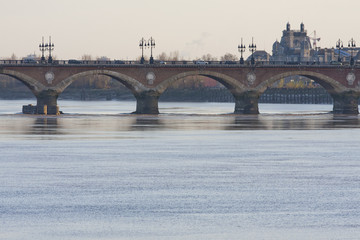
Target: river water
pixel 193 172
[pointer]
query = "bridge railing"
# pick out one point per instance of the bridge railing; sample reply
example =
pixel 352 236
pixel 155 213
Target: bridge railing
pixel 182 63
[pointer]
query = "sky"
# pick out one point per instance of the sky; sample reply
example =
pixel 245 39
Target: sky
pixel 113 28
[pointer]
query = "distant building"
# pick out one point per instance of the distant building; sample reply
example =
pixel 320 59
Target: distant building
pixel 260 56
pixel 294 46
pixel 354 52
pixel 31 58
pixel 326 55
pixel 357 57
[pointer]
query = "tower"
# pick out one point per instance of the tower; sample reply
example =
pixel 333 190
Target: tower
pixel 288 26
pixel 294 46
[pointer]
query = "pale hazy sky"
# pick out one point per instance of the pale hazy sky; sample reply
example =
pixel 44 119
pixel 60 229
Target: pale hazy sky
pixel 113 28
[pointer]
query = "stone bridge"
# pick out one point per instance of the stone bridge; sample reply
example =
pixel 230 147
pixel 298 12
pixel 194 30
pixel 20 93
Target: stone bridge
pixel 148 81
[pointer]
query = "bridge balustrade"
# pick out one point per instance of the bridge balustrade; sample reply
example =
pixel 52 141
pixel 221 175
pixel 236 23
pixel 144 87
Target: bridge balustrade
pixel 178 63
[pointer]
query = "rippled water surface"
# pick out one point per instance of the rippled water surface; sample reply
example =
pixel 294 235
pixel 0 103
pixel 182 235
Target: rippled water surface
pixel 196 171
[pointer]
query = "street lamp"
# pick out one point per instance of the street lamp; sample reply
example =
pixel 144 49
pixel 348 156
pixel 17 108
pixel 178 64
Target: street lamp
pixel 252 49
pixel 50 47
pixel 339 46
pixel 151 44
pixel 351 45
pixel 241 49
pixel 142 45
pixel 43 48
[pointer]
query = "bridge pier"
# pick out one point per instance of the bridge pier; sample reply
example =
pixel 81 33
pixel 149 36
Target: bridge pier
pixel 47 102
pixel 147 102
pixel 246 103
pixel 346 103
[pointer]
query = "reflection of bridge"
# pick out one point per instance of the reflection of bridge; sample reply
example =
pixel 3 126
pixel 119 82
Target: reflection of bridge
pixel 148 81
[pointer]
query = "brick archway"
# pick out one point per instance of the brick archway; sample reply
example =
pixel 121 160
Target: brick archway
pixel 132 84
pixel 328 83
pixel 233 85
pixel 34 85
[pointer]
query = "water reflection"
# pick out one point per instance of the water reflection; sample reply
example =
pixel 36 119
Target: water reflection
pixel 116 126
pixel 247 123
pixel 146 123
pixel 294 122
pixel 46 126
pixel 344 122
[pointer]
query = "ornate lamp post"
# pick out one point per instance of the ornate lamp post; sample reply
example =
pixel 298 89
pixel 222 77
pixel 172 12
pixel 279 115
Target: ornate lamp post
pixel 50 47
pixel 142 45
pixel 151 44
pixel 252 49
pixel 43 48
pixel 241 49
pixel 351 45
pixel 339 46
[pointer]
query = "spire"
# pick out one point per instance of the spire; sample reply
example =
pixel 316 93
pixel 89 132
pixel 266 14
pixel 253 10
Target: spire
pixel 302 27
pixel 288 26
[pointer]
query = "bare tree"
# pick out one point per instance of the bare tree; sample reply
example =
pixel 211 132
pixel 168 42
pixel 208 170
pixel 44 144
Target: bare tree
pixel 228 57
pixel 208 57
pixel 162 57
pixel 145 57
pixel 86 57
pixel 173 56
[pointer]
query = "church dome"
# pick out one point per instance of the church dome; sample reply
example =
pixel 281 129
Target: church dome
pixel 276 45
pixel 277 48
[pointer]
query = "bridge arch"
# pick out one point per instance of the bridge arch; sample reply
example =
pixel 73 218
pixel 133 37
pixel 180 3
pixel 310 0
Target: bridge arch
pixel 245 98
pixel 132 84
pixel 328 83
pixel 34 85
pixel 230 83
